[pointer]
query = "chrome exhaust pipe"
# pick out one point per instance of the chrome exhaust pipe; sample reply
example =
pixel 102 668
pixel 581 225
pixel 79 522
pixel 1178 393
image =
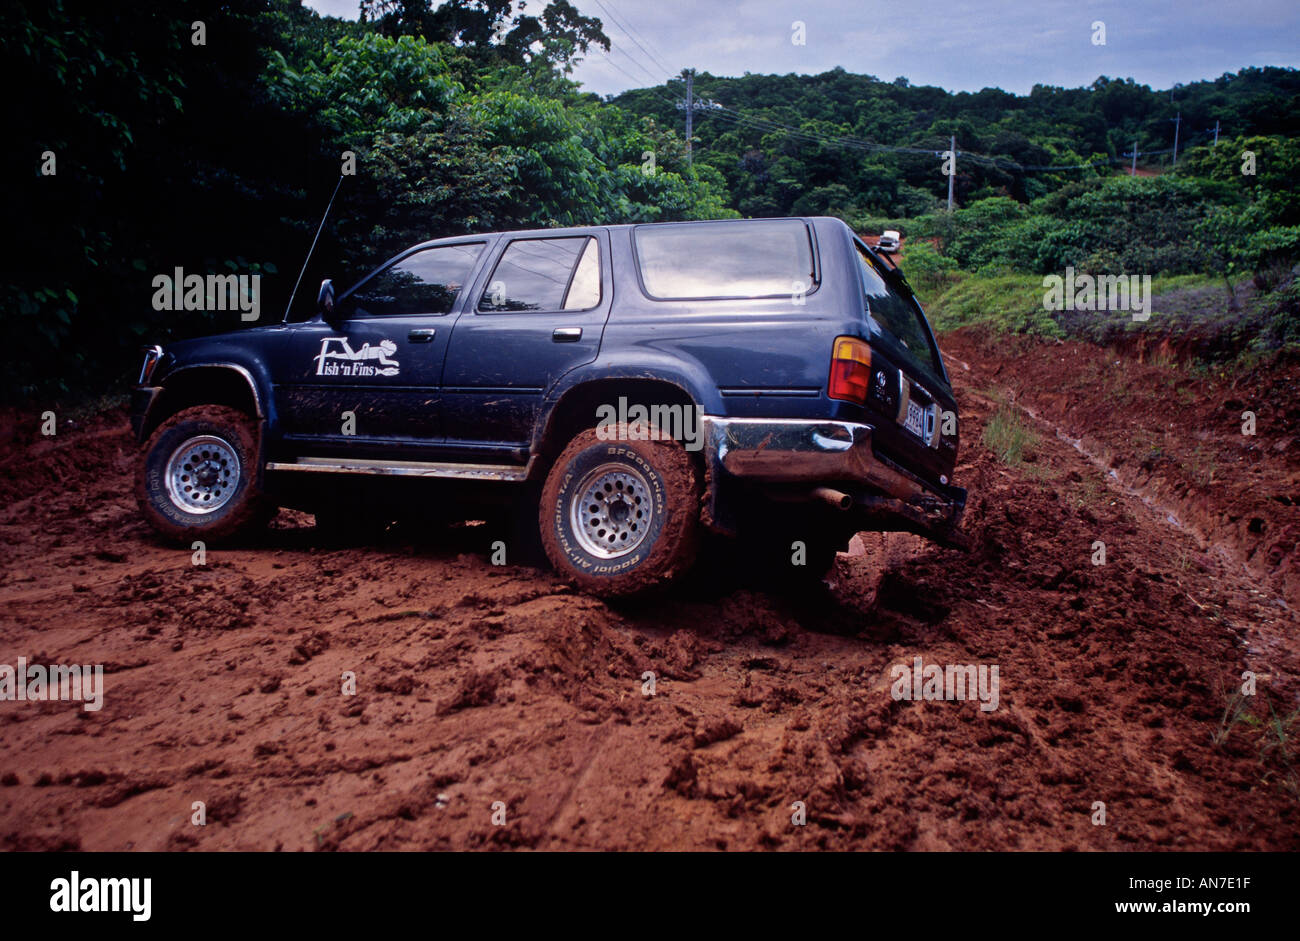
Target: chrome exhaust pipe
pixel 836 498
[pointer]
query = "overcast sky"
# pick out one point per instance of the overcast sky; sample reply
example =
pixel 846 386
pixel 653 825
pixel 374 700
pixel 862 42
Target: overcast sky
pixel 956 45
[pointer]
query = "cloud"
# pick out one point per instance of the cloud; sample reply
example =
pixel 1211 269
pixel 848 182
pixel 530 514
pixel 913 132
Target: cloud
pixel 960 46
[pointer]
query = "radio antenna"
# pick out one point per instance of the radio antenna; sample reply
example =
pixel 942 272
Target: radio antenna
pixel 307 260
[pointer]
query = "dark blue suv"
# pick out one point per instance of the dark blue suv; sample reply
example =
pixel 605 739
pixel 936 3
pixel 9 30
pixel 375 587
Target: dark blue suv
pixel 635 386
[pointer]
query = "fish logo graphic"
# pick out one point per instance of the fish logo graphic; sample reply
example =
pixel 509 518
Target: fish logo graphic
pixel 337 358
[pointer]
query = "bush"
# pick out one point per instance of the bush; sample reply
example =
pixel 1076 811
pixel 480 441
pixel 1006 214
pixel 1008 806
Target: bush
pixel 928 271
pixel 1271 255
pixel 1121 225
pixel 874 225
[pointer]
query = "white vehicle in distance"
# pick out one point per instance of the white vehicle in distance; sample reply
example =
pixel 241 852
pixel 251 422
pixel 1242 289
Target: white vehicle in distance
pixel 889 240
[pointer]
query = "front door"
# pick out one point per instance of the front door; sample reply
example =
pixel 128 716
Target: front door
pixel 369 379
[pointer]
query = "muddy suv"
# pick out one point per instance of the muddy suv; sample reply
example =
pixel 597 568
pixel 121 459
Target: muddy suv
pixel 633 388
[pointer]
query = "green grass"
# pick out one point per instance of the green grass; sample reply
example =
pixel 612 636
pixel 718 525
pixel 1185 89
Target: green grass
pixel 1279 746
pixel 1274 738
pixel 1234 713
pixel 1009 437
pixel 1163 284
pixel 1013 303
pixel 1189 307
pixel 1008 303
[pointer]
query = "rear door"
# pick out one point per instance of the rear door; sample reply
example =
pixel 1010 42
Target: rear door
pixel 901 340
pixel 380 359
pixel 538 314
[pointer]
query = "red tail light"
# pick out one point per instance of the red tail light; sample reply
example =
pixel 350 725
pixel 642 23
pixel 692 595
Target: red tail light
pixel 850 370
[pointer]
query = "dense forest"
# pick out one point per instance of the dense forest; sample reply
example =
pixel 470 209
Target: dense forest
pixel 210 136
pixel 845 143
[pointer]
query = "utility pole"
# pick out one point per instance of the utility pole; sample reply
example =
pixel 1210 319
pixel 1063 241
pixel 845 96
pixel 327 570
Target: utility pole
pixel 1133 170
pixel 1178 123
pixel 690 105
pixel 952 167
pixel 690 112
pixel 1216 133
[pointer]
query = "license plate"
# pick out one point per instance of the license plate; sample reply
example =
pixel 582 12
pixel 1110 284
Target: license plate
pixel 915 419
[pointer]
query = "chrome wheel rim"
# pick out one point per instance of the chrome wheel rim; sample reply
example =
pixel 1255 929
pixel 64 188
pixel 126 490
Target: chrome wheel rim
pixel 202 474
pixel 611 511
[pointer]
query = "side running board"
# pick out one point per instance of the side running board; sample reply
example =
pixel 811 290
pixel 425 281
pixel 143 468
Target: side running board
pixel 340 465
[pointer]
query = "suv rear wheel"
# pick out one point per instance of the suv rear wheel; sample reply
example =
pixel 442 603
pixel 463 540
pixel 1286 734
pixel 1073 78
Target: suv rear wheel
pixel 200 475
pixel 619 516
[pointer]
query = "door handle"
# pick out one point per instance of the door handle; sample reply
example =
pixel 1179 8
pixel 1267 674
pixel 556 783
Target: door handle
pixel 567 334
pixel 421 336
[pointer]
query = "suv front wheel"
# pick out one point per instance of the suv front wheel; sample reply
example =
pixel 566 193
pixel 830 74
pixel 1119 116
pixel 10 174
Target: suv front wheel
pixel 200 475
pixel 618 515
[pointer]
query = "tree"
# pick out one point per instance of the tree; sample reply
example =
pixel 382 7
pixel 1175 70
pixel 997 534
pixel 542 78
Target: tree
pixel 493 30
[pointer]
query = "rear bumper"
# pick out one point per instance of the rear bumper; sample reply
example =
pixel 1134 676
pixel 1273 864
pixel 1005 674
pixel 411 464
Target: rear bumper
pixel 802 452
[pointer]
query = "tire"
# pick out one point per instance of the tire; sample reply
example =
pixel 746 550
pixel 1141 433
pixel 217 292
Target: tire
pixel 648 515
pixel 224 446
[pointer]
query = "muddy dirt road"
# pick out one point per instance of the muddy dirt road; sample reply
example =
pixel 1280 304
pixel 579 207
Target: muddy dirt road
pixel 479 684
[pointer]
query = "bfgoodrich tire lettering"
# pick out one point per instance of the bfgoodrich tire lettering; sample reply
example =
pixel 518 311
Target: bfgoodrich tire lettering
pixel 241 509
pixel 654 478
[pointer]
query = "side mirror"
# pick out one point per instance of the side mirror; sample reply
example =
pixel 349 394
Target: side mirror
pixel 325 299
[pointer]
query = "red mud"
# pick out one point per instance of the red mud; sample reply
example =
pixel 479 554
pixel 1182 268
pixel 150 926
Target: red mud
pixel 1172 435
pixel 479 683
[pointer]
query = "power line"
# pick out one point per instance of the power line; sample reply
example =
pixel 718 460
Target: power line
pixel 813 137
pixel 628 31
pixel 654 48
pixel 631 58
pixel 842 140
pixel 610 61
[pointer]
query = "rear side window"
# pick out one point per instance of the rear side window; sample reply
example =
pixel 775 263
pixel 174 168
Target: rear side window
pixel 545 274
pixel 750 259
pixel 424 282
pixel 584 290
pixel 895 313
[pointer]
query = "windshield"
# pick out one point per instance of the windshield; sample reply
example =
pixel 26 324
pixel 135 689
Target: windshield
pixel 896 314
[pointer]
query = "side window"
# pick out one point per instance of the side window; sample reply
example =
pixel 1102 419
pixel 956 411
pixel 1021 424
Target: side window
pixel 545 274
pixel 426 282
pixel 742 259
pixel 584 292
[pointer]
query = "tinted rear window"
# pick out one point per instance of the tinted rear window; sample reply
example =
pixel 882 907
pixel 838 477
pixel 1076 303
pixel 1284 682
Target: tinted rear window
pixel 895 313
pixel 694 261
